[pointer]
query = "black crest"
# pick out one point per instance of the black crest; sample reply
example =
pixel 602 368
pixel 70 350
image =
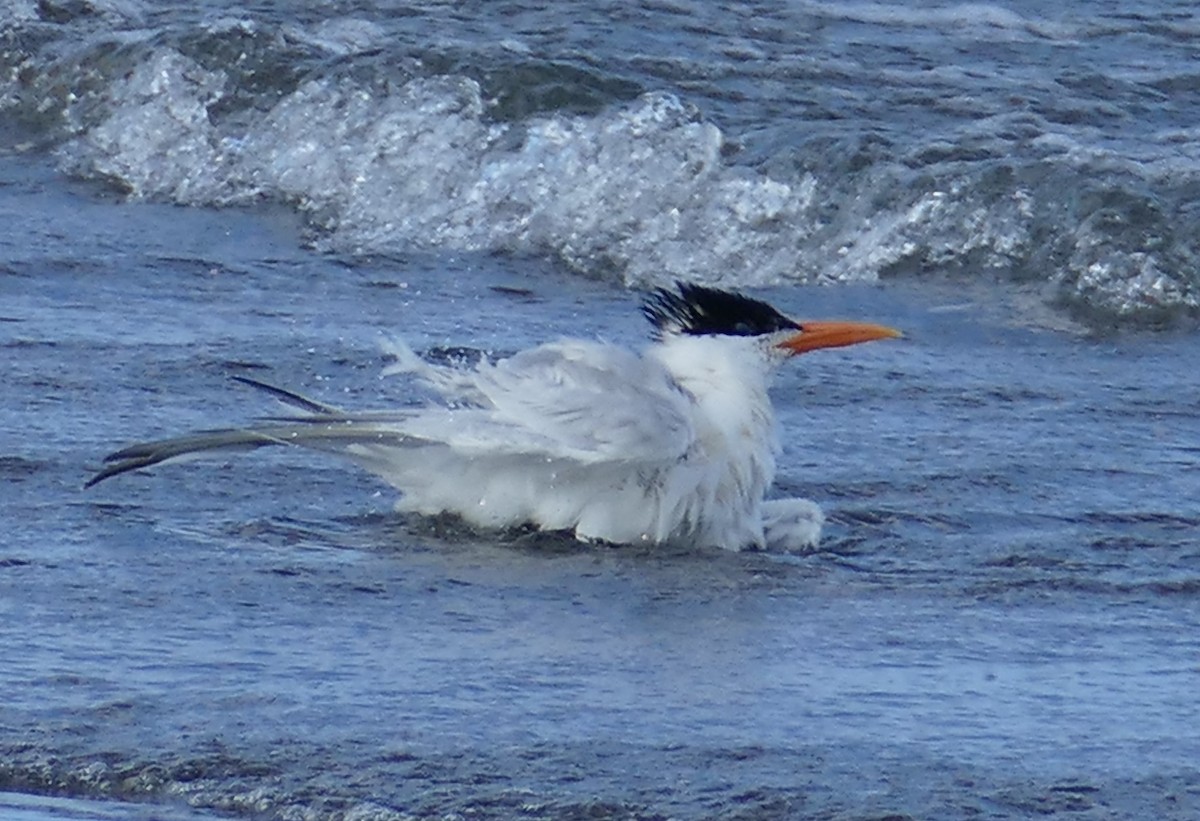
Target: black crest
pixel 695 309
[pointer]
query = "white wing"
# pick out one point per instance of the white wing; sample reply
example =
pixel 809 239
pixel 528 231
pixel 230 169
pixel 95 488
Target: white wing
pixel 577 401
pixel 583 401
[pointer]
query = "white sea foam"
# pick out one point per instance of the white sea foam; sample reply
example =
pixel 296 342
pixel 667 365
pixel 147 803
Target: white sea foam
pixel 157 140
pixel 343 35
pixel 16 11
pixel 640 192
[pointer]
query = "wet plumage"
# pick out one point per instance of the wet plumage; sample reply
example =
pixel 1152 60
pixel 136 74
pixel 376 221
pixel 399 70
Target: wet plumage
pixel 674 444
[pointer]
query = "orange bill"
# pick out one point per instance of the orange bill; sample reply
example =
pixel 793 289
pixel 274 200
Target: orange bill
pixel 814 335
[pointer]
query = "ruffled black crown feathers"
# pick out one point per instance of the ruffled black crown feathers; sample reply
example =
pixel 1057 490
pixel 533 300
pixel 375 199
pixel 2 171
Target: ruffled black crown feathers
pixel 698 309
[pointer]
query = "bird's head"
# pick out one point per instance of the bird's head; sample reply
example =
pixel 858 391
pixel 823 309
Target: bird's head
pixel 696 310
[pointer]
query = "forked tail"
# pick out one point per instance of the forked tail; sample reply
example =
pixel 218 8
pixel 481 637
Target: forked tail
pixel 324 427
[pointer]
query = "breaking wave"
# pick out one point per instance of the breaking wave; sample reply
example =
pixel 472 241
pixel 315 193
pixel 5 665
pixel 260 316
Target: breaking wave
pixel 496 149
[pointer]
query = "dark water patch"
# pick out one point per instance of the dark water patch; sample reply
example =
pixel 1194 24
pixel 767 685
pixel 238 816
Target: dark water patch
pixel 1165 521
pixel 244 365
pixel 1183 587
pixel 885 517
pixel 605 780
pixel 1026 560
pixel 114 509
pixel 519 87
pixel 1122 543
pixel 523 294
pixel 20 343
pixel 20 468
pixel 260 65
pixel 281 531
pixel 1043 585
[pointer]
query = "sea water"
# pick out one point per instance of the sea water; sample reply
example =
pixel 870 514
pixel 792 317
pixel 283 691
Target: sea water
pixel 1003 618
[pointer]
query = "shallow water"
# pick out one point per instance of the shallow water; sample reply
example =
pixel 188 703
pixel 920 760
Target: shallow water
pixel 1002 621
pixel 24 807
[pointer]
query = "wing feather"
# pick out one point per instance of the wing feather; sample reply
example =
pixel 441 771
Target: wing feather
pixel 335 437
pixel 584 402
pixel 592 402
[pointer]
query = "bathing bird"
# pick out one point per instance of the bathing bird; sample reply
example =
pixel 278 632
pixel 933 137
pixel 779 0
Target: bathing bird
pixel 675 444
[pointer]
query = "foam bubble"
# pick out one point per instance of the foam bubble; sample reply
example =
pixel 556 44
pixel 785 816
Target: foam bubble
pixel 157 140
pixel 345 35
pixel 944 230
pixel 1143 277
pixel 378 170
pixel 640 190
pixel 17 11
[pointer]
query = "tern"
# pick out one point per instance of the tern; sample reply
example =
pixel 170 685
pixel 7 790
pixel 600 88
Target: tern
pixel 673 445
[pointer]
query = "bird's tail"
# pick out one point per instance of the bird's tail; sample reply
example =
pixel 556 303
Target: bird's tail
pixel 322 427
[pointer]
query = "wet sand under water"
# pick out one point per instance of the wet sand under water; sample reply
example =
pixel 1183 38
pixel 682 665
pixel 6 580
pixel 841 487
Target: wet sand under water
pixel 1003 621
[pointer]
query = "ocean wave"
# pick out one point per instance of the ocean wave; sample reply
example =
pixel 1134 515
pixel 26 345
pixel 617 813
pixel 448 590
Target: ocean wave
pixel 639 191
pixel 496 149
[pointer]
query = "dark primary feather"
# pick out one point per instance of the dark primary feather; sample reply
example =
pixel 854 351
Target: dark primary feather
pixel 333 434
pixel 697 309
pixel 290 397
pixel 327 427
pixel 145 454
